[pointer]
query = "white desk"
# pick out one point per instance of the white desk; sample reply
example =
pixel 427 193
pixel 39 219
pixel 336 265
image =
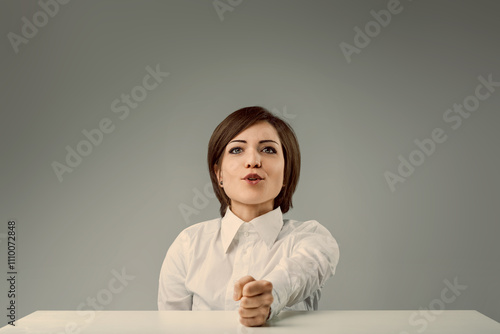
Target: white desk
pixel 222 322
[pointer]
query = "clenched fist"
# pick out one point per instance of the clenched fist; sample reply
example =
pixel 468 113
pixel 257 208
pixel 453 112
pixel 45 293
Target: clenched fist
pixel 255 298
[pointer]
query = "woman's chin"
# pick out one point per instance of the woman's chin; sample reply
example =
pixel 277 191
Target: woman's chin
pixel 251 200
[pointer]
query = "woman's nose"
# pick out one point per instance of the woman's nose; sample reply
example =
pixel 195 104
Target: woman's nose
pixel 253 160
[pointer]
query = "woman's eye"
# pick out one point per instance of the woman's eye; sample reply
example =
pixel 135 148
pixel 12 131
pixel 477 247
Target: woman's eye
pixel 234 148
pixel 271 149
pixel 268 149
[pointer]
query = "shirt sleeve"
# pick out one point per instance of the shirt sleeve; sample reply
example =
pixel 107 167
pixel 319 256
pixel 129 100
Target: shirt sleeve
pixel 172 292
pixel 312 260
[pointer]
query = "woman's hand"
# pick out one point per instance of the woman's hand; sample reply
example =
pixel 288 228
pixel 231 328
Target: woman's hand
pixel 256 299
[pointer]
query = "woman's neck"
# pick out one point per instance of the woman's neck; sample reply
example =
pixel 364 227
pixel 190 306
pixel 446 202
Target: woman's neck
pixel 247 212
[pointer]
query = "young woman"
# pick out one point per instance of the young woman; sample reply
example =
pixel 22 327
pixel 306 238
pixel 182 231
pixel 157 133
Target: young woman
pixel 250 259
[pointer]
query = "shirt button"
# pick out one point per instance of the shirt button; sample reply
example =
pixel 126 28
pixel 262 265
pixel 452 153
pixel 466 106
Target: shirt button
pixel 246 234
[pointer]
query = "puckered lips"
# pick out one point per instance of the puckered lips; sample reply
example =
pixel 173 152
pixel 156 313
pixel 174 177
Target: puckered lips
pixel 253 178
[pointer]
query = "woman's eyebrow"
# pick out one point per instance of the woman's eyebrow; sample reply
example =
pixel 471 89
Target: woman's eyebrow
pixel 260 142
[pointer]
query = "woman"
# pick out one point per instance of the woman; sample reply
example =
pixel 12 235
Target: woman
pixel 250 259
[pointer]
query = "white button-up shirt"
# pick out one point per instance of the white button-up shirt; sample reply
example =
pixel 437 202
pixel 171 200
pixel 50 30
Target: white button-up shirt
pixel 206 259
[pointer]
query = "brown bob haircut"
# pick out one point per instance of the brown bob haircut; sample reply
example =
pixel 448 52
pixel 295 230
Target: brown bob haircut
pixel 237 122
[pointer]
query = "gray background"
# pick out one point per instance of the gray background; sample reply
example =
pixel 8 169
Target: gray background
pixel 121 207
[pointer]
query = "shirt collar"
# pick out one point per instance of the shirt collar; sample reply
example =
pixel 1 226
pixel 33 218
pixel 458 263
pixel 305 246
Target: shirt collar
pixel 267 225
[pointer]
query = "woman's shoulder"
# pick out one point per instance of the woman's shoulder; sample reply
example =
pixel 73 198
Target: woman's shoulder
pixel 303 226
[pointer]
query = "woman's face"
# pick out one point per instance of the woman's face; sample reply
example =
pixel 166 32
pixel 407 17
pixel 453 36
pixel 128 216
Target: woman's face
pixel 255 150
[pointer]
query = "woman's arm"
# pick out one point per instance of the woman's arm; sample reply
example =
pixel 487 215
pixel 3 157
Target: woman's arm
pixel 172 292
pixel 314 257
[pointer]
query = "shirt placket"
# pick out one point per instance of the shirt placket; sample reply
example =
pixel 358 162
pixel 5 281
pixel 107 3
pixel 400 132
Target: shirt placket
pixel 241 263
